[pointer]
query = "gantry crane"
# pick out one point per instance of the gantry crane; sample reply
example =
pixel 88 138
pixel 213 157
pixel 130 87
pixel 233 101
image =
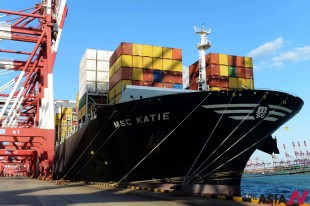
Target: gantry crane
pixel 27 101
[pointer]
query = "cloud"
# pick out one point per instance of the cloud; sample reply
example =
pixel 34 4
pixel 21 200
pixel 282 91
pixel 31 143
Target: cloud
pixel 267 49
pixel 296 54
pixel 270 56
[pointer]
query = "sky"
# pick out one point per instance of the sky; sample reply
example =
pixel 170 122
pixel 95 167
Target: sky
pixel 276 34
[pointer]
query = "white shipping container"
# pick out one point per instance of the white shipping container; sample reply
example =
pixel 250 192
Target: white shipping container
pixel 103 65
pixel 102 76
pixel 102 87
pixel 82 90
pixel 89 54
pixel 104 55
pixel 89 64
pixel 185 77
pixel 91 87
pixel 88 76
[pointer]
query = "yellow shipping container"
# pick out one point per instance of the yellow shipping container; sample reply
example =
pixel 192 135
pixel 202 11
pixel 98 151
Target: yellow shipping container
pixel 157 51
pixel 57 122
pixel 63 134
pixel 167 53
pixel 137 74
pixel 167 64
pixel 111 93
pixel 248 62
pixel 249 83
pixel 116 99
pixel 224 70
pixel 215 88
pixel 137 49
pixel 121 85
pixel 111 71
pixel 82 112
pixel 241 83
pixel 223 59
pixel 122 61
pixel 157 64
pixel 137 61
pixel 233 82
pixel 69 116
pixel 147 62
pixel 147 50
pixel 176 66
pixel 67 110
pixel 58 116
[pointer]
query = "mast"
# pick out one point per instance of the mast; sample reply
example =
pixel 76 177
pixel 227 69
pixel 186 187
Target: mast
pixel 202 46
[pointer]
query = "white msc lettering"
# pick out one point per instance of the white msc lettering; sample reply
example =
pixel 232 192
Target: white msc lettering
pixel 122 123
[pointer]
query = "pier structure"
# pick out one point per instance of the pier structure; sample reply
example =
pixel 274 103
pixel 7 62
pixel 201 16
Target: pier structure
pixel 27 133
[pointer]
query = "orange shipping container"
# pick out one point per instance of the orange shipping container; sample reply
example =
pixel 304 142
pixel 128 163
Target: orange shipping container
pixel 167 85
pixel 148 75
pixel 142 83
pixel 240 72
pixel 193 70
pixel 213 69
pixel 212 58
pixel 177 78
pixel 248 72
pixel 168 77
pixel 176 54
pixel 240 61
pixel 232 60
pixel 158 84
pixel 193 87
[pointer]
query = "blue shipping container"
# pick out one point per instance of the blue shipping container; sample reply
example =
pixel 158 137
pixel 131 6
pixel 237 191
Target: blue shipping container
pixel 158 76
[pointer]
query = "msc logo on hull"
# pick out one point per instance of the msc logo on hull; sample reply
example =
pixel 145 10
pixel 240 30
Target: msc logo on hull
pixel 261 111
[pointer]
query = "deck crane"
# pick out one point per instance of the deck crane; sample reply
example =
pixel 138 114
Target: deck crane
pixel 307 152
pixel 301 153
pixel 27 101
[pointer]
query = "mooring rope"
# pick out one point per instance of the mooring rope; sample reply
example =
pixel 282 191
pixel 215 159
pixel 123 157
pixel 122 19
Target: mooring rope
pixel 163 140
pixel 202 149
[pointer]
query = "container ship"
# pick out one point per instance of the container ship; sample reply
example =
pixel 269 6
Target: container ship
pixel 146 118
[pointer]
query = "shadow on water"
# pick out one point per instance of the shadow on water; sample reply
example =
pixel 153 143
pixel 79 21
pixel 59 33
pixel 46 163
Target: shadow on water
pixel 32 192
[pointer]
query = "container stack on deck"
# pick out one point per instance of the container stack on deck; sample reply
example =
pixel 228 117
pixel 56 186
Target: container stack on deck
pixel 94 81
pixel 144 65
pixel 65 118
pixel 224 72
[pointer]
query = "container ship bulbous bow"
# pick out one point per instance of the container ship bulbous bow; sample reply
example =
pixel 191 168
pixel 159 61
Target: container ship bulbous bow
pixel 203 137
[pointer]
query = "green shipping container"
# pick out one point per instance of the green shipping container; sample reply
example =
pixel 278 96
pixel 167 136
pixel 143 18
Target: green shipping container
pixel 232 71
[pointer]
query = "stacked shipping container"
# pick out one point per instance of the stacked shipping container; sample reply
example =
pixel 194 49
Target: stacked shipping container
pixel 66 122
pixel 94 76
pixel 144 65
pixel 224 72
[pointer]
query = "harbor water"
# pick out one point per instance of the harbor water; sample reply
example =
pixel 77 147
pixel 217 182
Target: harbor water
pixel 258 185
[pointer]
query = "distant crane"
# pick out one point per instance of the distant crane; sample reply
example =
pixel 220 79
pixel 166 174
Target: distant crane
pixel 301 153
pixel 287 155
pixel 307 152
pixel 296 153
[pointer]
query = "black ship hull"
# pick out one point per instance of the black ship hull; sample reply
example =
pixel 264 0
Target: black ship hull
pixel 204 137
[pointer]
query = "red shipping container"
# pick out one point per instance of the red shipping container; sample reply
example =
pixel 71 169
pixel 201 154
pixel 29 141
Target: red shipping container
pixel 218 81
pixel 158 84
pixel 248 73
pixel 123 48
pixel 148 75
pixel 240 71
pixel 123 73
pixel 213 69
pixel 212 58
pixel 177 78
pixel 194 69
pixel 232 60
pixel 193 87
pixel 240 61
pixel 167 85
pixel 168 77
pixel 141 83
pixel 176 54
